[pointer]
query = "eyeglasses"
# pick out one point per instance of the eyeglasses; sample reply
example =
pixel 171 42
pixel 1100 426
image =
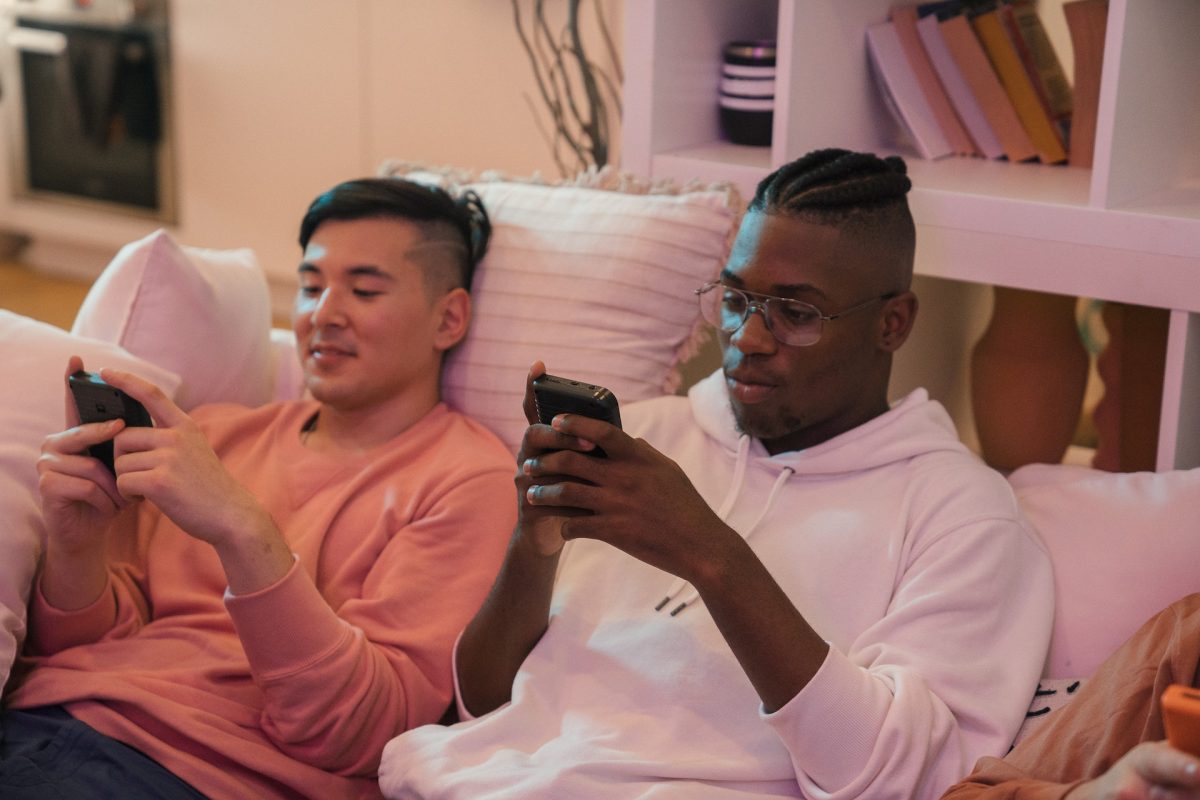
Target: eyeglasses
pixel 792 322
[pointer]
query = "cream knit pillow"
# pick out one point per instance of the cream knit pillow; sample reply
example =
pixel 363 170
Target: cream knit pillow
pixel 595 277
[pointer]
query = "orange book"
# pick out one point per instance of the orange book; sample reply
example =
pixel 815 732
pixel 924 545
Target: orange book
pixel 960 94
pixel 1041 63
pixel 989 92
pixel 1007 64
pixel 904 20
pixel 1087 21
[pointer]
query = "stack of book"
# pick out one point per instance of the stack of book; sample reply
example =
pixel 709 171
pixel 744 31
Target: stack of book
pixel 981 78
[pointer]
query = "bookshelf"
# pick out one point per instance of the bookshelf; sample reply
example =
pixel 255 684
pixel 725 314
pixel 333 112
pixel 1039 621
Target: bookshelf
pixel 1128 229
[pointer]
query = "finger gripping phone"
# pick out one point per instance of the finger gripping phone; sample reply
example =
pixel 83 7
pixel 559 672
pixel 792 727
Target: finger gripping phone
pixel 1181 717
pixel 554 395
pixel 97 401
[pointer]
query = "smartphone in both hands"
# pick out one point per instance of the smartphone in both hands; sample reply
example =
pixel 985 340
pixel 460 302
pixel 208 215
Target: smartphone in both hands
pixel 553 395
pixel 98 401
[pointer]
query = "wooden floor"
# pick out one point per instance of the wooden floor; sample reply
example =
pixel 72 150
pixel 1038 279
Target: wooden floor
pixel 42 297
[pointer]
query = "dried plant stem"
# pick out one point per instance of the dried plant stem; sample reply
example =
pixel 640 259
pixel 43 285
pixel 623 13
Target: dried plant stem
pixel 575 92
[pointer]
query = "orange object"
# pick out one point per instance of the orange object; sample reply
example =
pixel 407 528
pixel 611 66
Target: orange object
pixel 1181 717
pixel 1007 63
pixel 969 54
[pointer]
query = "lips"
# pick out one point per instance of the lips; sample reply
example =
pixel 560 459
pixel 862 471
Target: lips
pixel 748 388
pixel 325 353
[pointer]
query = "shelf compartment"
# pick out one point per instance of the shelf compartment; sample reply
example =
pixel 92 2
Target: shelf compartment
pixel 1149 107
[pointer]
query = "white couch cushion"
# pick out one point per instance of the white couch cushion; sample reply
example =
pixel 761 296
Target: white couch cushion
pixel 1123 545
pixel 32 406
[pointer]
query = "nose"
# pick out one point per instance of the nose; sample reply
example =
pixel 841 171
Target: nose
pixel 753 336
pixel 327 309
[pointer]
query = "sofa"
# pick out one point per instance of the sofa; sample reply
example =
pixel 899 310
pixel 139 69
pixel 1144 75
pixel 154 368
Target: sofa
pixel 595 277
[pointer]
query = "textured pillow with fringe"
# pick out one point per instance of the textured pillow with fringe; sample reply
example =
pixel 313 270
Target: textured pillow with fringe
pixel 593 276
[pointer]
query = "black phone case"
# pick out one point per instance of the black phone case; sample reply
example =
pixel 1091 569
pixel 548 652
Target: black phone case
pixel 97 401
pixel 554 395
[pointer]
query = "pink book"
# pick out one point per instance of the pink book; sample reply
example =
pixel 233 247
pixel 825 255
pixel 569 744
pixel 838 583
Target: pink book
pixel 956 87
pixel 902 91
pixel 985 85
pixel 904 20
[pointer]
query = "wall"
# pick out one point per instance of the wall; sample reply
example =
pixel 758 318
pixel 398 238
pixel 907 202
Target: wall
pixel 276 101
pixel 301 96
pixel 447 82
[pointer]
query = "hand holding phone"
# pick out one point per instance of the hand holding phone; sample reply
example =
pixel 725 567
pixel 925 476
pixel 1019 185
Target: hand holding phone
pixel 553 395
pixel 97 401
pixel 1181 717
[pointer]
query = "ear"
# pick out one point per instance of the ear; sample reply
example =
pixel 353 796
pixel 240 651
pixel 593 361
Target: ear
pixel 896 321
pixel 453 318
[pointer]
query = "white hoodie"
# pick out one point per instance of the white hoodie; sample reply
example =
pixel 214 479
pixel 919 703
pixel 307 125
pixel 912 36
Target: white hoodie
pixel 899 547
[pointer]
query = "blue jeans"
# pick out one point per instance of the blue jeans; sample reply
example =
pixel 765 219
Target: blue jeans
pixel 46 754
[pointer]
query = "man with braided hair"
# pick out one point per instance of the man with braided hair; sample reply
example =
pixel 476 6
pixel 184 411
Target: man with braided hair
pixel 788 587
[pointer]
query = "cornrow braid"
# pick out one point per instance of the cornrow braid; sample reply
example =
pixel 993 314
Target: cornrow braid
pixel 477 230
pixel 833 186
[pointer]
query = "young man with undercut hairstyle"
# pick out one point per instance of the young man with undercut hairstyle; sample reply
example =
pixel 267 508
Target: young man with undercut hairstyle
pixel 786 587
pixel 259 599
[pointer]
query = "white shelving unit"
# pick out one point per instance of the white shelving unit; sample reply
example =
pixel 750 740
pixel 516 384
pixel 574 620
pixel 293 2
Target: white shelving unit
pixel 1126 230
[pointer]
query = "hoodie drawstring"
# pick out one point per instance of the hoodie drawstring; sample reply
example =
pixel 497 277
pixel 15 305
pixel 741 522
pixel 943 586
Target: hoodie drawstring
pixel 735 488
pixel 731 496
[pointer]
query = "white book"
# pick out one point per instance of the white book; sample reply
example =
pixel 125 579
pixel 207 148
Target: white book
pixel 960 94
pixel 903 92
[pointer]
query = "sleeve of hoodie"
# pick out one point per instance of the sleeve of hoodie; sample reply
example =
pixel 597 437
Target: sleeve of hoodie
pixel 947 674
pixel 340 680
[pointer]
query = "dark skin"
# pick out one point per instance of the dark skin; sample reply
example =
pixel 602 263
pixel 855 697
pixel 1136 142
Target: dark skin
pixel 642 503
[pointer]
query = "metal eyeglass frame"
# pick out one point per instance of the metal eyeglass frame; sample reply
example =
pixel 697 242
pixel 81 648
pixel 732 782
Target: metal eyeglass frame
pixel 762 304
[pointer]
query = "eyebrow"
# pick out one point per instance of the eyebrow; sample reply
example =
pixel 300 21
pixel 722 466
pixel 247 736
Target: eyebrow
pixel 780 290
pixel 365 270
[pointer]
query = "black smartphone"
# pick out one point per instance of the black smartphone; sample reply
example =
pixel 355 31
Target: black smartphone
pixel 554 395
pixel 97 401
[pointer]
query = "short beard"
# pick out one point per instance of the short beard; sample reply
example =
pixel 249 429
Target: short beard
pixel 768 429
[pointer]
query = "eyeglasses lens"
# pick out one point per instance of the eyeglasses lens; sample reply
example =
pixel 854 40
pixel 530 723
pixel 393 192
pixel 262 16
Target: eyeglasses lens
pixel 731 307
pixel 790 321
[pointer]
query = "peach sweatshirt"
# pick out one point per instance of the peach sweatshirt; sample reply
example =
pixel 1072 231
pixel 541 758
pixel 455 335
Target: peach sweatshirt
pixel 293 690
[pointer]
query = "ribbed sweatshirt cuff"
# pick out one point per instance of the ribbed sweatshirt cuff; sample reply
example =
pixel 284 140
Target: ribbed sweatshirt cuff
pixel 54 629
pixel 463 713
pixel 287 626
pixel 823 726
